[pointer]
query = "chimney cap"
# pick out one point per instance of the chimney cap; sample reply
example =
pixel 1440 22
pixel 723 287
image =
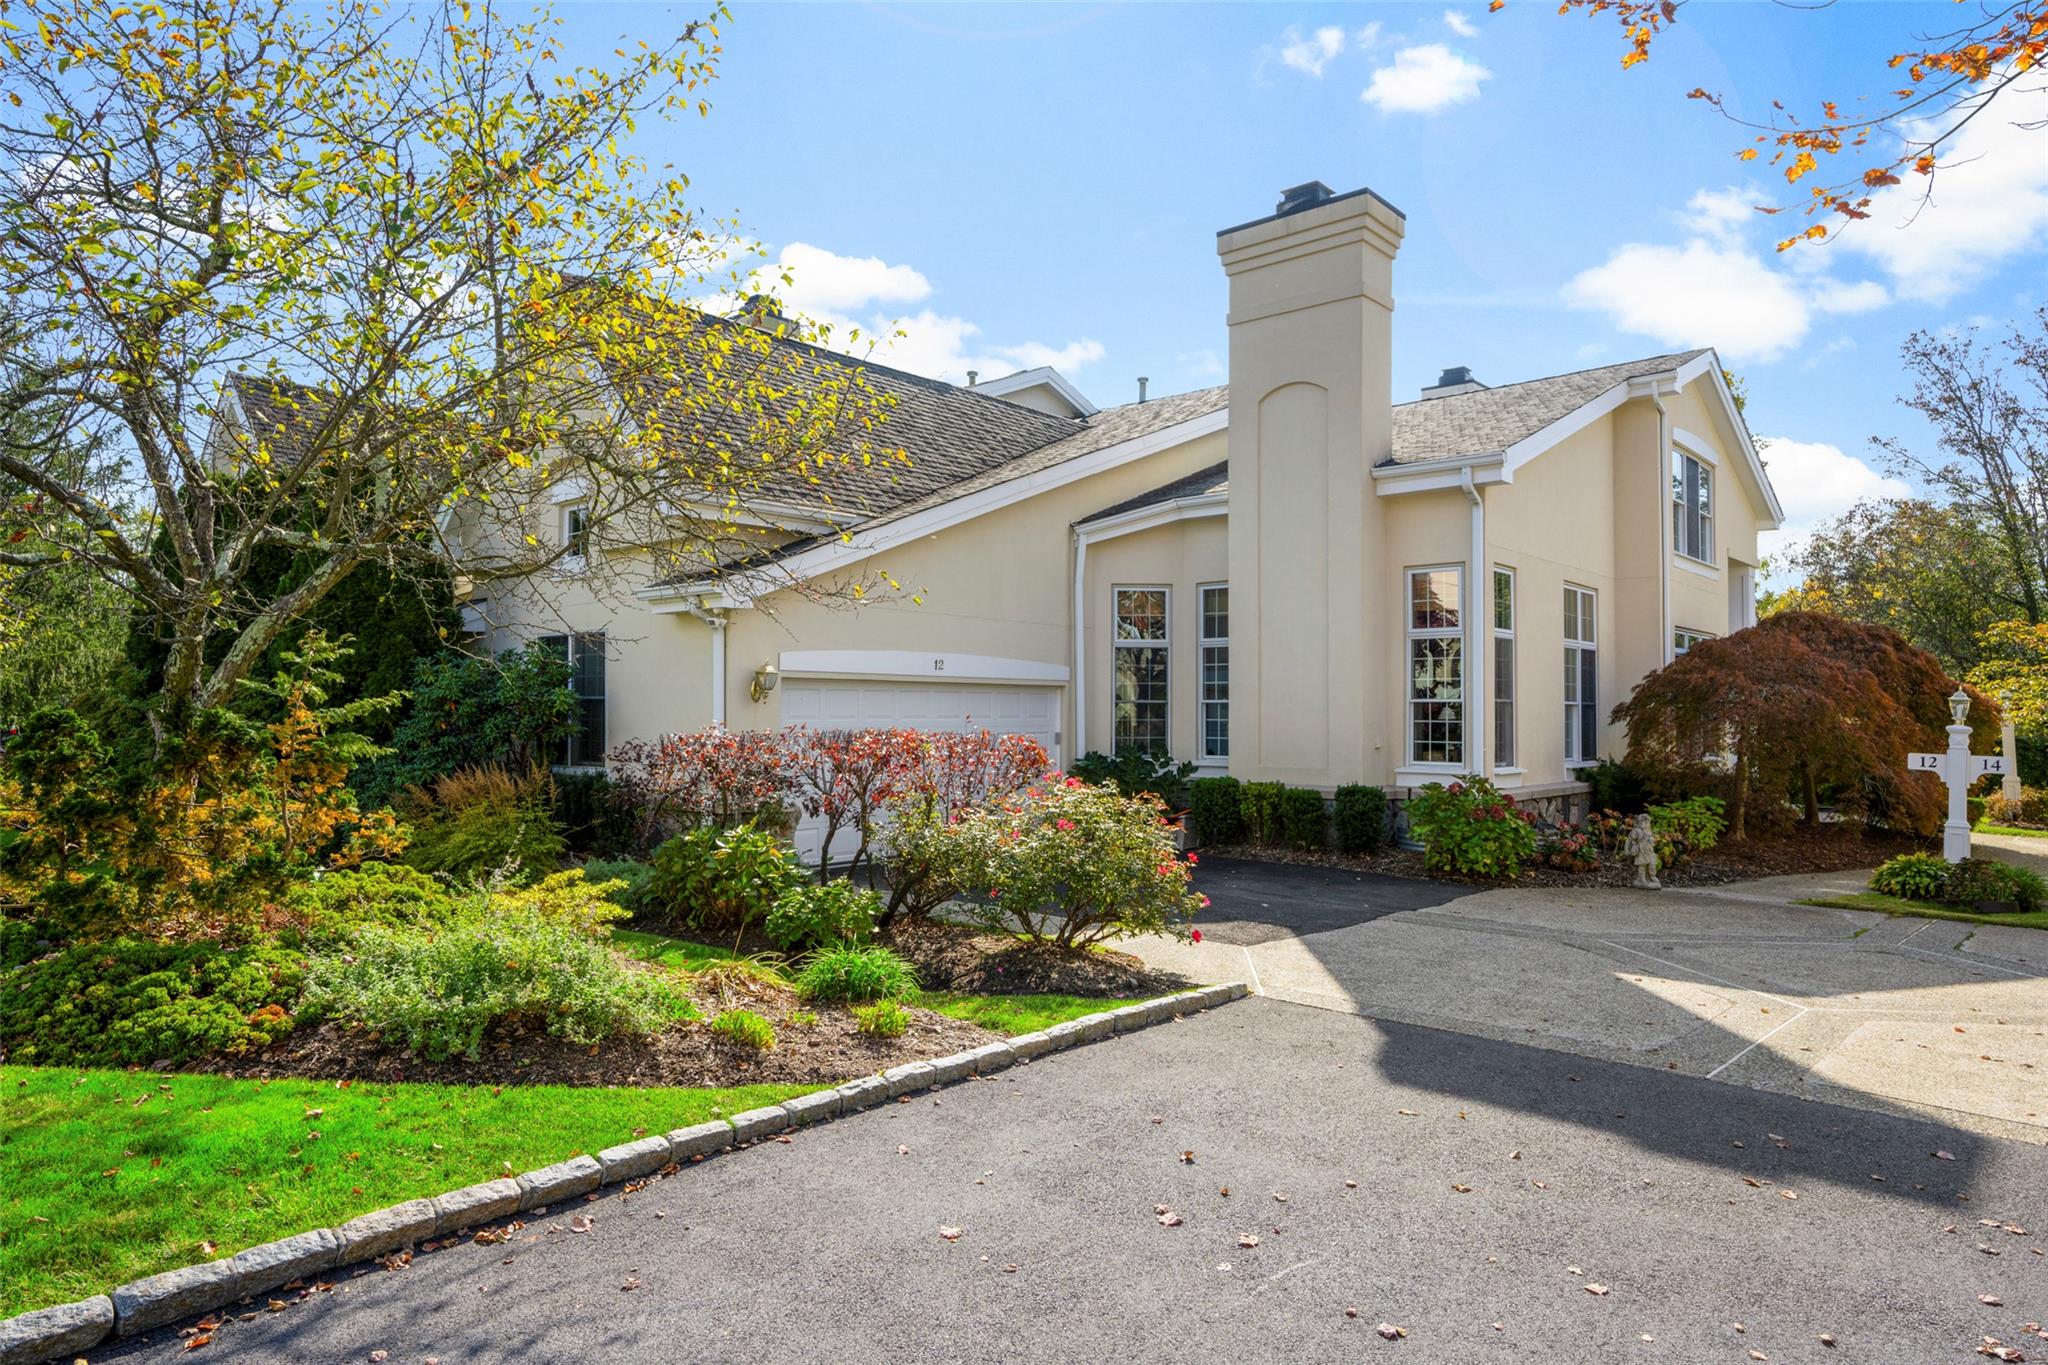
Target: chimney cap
pixel 1304 196
pixel 1455 379
pixel 1456 374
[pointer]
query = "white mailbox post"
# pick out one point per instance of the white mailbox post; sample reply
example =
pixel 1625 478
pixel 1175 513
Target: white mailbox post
pixel 1958 768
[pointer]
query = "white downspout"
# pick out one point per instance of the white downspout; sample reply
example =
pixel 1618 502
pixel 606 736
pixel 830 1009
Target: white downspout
pixel 1476 597
pixel 1080 688
pixel 717 620
pixel 1663 486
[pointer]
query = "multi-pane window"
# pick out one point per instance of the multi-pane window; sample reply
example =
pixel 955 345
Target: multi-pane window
pixel 1581 698
pixel 1140 672
pixel 1504 667
pixel 1692 507
pixel 1216 671
pixel 576 532
pixel 584 747
pixel 1683 639
pixel 1436 666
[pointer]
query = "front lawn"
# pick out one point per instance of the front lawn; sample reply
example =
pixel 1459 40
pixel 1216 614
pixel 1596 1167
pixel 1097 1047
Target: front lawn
pixel 112 1175
pixel 2012 830
pixel 1011 1015
pixel 1895 905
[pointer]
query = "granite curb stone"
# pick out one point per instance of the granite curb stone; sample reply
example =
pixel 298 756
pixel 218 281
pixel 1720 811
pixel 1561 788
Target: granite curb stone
pixel 60 1330
pixel 160 1299
pixel 756 1124
pixel 699 1139
pixel 476 1204
pixel 386 1230
pixel 264 1268
pixel 630 1160
pixel 50 1333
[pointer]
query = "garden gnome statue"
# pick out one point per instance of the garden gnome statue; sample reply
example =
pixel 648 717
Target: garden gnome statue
pixel 1642 851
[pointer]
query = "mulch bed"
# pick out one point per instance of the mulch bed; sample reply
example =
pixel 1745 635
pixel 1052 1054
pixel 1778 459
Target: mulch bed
pixel 957 957
pixel 829 1050
pixel 1831 848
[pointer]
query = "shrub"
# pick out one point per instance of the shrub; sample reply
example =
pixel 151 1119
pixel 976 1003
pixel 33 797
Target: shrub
pixel 1216 806
pixel 818 916
pixel 1569 848
pixel 1262 802
pixel 438 990
pixel 1976 880
pixel 595 815
pixel 850 974
pixel 634 878
pixel 1616 786
pixel 128 1002
pixel 1302 818
pixel 470 712
pixel 1974 808
pixel 945 774
pixel 1913 877
pixel 1471 829
pixel 1359 815
pixel 745 1028
pixel 19 940
pixel 725 879
pixel 375 893
pixel 1684 828
pixel 572 899
pixel 1135 772
pixel 2029 812
pixel 922 860
pixel 484 823
pixel 1074 864
pixel 883 1019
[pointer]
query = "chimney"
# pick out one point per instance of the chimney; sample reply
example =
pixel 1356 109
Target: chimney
pixel 761 311
pixel 1142 382
pixel 972 376
pixel 1311 413
pixel 1457 379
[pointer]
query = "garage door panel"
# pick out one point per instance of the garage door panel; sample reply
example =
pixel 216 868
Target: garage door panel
pixel 845 704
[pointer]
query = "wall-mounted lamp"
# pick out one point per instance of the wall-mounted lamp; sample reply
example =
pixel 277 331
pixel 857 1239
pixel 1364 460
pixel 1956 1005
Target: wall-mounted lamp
pixel 765 678
pixel 1959 705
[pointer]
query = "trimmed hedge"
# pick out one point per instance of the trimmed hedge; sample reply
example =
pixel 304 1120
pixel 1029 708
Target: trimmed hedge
pixel 1359 814
pixel 1262 802
pixel 1302 818
pixel 1216 805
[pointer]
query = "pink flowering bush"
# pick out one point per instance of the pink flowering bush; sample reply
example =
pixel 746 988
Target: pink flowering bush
pixel 1072 864
pixel 946 775
pixel 1471 829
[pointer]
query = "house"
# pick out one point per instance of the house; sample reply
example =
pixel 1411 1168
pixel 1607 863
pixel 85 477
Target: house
pixel 1291 577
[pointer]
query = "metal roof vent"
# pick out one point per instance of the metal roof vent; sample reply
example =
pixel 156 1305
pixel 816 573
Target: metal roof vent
pixel 1304 197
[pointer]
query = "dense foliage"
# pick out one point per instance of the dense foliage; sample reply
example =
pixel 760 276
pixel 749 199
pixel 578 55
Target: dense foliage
pixel 1471 828
pixel 1137 771
pixel 1262 811
pixel 823 915
pixel 1913 877
pixel 723 879
pixel 484 823
pixel 1358 815
pixel 1216 808
pixel 1303 818
pixel 2030 811
pixel 1684 828
pixel 852 974
pixel 745 1028
pixel 468 712
pixel 1973 883
pixel 883 1019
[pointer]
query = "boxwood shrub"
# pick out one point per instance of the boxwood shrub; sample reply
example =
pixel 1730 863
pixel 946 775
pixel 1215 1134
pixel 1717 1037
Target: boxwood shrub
pixel 1359 815
pixel 1302 818
pixel 1216 805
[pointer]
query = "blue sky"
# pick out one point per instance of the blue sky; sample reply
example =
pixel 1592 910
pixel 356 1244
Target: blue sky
pixel 1042 184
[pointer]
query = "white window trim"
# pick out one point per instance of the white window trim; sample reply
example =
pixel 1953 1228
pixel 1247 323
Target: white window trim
pixel 1593 643
pixel 1165 590
pixel 1493 673
pixel 572 563
pixel 1462 634
pixel 1698 637
pixel 1203 642
pixel 1681 556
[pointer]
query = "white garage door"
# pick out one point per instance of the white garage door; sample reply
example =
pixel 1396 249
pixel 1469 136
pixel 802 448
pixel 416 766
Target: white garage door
pixel 850 704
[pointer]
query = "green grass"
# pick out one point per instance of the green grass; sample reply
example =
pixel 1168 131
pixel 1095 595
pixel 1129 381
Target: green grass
pixel 669 952
pixel 112 1175
pixel 2013 829
pixel 1895 905
pixel 1011 1015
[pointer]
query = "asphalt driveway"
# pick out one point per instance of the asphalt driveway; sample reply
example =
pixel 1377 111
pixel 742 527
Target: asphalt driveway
pixel 1496 1186
pixel 1738 983
pixel 1258 902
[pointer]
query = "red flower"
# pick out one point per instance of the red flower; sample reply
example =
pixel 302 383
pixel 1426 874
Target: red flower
pixel 1205 903
pixel 1196 934
pixel 1192 860
pixel 1065 824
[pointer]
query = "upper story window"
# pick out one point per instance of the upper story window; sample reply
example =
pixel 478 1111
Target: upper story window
pixel 576 532
pixel 1140 670
pixel 1504 667
pixel 1436 666
pixel 1216 671
pixel 1581 672
pixel 1692 507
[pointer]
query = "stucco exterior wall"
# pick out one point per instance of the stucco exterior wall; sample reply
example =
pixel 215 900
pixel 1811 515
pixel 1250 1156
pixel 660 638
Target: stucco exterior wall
pixel 1182 557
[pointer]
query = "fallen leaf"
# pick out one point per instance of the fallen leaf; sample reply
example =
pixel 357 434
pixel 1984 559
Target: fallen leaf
pixel 1462 1189
pixel 580 1223
pixel 1752 1182
pixel 1391 1332
pixel 277 1306
pixel 902 1150
pixel 1991 1300
pixel 1351 1184
pixel 1169 1219
pixel 1598 1291
pixel 1351 1312
pixel 1827 1339
pixel 1758 1355
pixel 630 1283
pixel 950 1233
pixel 1278 1197
pixel 1786 1194
pixel 1009 1267
pixel 1248 1239
pixel 380 1355
pixel 1515 1155
pixel 1409 1112
pixel 1187 1158
pixel 1944 1156
pixel 207 1248
pixel 203 1339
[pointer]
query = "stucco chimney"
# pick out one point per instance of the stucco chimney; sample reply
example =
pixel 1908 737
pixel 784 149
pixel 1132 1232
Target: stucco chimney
pixel 1311 412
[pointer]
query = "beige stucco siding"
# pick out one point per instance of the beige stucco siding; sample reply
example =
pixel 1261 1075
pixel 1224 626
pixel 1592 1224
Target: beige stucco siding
pixel 1182 556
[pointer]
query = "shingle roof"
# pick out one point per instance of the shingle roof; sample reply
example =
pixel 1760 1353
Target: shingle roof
pixel 1491 420
pixel 1214 479
pixel 280 413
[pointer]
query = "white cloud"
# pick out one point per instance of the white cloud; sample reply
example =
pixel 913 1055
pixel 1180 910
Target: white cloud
pixel 1367 36
pixel 1721 213
pixel 1700 294
pixel 856 294
pixel 822 280
pixel 1816 482
pixel 1460 25
pixel 1423 80
pixel 1312 53
pixel 1990 202
pixel 1832 296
